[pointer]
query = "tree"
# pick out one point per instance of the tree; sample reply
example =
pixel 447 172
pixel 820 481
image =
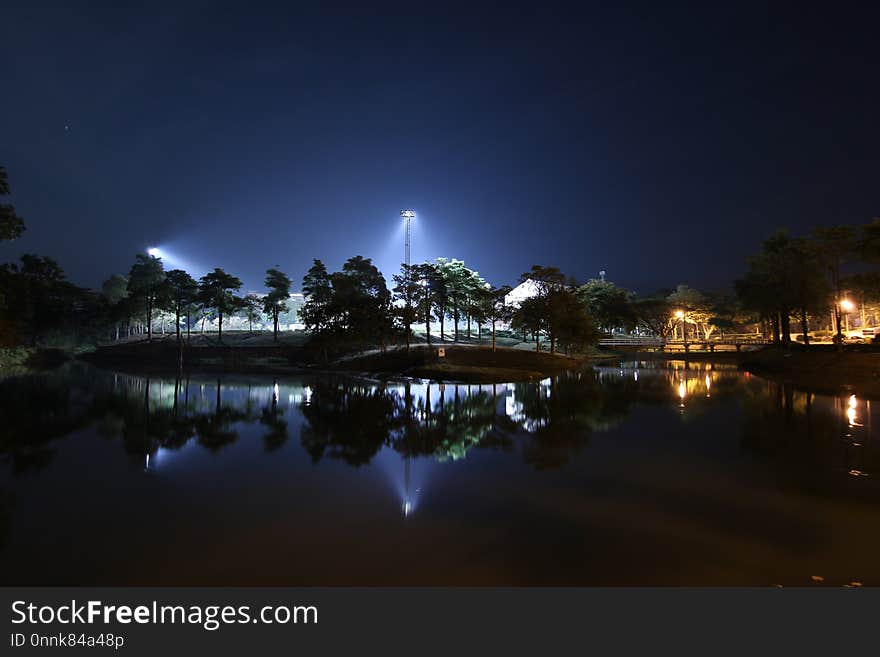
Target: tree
pixel 548 282
pixel 480 306
pixel 114 292
pixel 572 325
pixel 529 317
pixel 784 279
pixel 252 305
pixel 868 242
pixel 145 283
pixel 455 280
pixel 654 314
pixel 275 302
pixel 428 278
pixel 834 246
pixel 361 303
pixel 805 288
pixel 406 293
pixel 11 225
pixel 439 291
pixel 497 310
pixel 696 309
pixel 318 292
pixel 474 297
pixel 610 306
pixel 544 278
pixel 182 290
pixel 38 292
pixel 216 291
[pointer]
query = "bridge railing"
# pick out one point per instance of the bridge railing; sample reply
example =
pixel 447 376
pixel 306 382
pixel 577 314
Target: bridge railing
pixel 651 341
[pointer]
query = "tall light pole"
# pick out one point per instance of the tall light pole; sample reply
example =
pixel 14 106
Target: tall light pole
pixel 407 216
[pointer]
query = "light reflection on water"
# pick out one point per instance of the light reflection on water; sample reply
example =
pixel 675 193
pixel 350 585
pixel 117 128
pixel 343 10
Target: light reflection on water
pixel 732 470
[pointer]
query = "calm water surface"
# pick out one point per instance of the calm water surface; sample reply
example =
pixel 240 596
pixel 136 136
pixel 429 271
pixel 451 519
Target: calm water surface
pixel 637 474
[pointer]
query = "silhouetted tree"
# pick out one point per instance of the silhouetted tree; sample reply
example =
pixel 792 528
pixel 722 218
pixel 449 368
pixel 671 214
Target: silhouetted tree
pixel 537 312
pixel 406 291
pixel 38 293
pixel 252 306
pixel 114 292
pixel 275 302
pixel 11 225
pixel 654 314
pixel 318 293
pixel 145 283
pixel 496 309
pixel 835 245
pixel 216 291
pixel 610 306
pixel 182 291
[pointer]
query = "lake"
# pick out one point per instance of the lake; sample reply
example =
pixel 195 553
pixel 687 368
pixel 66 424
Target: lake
pixel 637 473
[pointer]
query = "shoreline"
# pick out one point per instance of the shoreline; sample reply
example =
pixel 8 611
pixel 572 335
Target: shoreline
pixel 462 363
pixel 820 370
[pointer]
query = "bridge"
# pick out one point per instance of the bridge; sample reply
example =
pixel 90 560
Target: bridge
pixel 652 342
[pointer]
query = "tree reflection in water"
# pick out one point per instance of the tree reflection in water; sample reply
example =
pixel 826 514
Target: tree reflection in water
pixel 273 419
pixel 546 422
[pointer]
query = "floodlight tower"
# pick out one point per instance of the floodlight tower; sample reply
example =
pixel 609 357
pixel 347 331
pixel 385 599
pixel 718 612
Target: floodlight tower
pixel 407 216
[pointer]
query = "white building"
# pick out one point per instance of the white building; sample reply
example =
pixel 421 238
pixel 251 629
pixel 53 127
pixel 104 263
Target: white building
pixel 525 290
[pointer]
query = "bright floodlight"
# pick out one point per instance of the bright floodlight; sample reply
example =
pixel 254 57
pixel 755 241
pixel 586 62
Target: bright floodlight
pixel 847 305
pixel 153 251
pixel 407 214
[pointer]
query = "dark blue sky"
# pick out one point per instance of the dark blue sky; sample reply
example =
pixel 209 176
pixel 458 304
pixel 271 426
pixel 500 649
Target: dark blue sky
pixel 658 144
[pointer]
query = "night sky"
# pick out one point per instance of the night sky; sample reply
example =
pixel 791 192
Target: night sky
pixel 659 144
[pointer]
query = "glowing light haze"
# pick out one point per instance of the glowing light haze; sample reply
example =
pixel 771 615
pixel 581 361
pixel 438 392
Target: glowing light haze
pixel 658 143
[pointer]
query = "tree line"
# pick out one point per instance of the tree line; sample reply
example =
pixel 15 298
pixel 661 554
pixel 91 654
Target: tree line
pixel 800 279
pixel 806 279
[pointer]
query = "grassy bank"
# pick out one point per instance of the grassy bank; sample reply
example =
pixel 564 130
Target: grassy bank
pixel 165 356
pixel 21 360
pixel 821 370
pixel 461 363
pixel 245 353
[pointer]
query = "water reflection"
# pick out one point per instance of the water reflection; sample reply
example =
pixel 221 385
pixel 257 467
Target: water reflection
pixel 353 420
pixel 576 439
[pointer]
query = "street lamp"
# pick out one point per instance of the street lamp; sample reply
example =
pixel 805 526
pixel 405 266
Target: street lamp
pixel 681 315
pixel 153 251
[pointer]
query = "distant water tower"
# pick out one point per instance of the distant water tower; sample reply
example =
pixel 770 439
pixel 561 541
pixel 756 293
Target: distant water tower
pixel 602 275
pixel 407 216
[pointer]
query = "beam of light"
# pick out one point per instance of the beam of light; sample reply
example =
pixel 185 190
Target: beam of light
pixel 172 260
pixel 407 477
